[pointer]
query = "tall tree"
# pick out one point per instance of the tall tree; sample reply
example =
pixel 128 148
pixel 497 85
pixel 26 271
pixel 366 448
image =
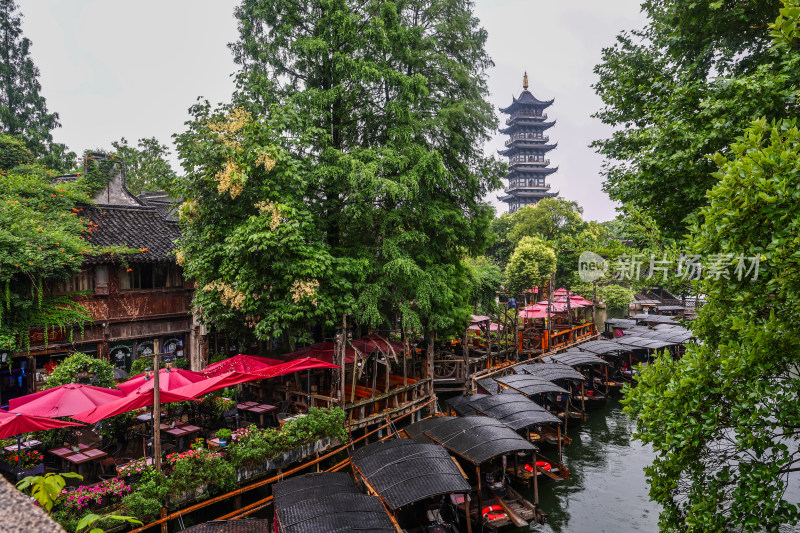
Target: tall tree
pixel 23 111
pixel 392 180
pixel 681 89
pixel 146 164
pixel 532 262
pixel 724 420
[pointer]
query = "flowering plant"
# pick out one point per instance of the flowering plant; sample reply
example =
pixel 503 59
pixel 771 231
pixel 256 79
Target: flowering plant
pixel 24 459
pixel 84 495
pixel 198 466
pixel 134 467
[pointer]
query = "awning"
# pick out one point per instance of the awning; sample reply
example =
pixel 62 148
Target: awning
pixel 403 471
pixel 643 343
pixel 574 358
pixel 324 351
pixel 460 404
pixel 515 410
pixel 476 438
pixel 603 347
pixel 240 363
pixel 529 385
pixel 550 371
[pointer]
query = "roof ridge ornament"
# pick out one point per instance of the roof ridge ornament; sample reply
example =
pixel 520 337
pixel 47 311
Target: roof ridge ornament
pixel 525 81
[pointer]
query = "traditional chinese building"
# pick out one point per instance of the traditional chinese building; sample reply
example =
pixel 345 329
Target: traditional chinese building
pixel 134 306
pixel 526 149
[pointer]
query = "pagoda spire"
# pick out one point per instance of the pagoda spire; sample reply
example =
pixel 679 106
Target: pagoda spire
pixel 525 81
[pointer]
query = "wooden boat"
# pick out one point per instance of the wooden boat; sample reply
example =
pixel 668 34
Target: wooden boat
pixel 480 445
pixel 525 468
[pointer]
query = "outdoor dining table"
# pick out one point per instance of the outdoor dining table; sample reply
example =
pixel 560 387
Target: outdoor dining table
pixel 256 408
pixel 81 459
pixel 27 445
pixel 182 432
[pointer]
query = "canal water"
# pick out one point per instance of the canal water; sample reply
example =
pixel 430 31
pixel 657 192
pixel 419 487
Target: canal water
pixel 606 490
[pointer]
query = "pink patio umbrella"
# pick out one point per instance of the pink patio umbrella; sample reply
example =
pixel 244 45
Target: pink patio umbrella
pixel 240 363
pixel 195 390
pixel 479 318
pixel 493 326
pixel 13 424
pixel 141 397
pixel 65 400
pixel 324 351
pixel 376 343
pixel 168 379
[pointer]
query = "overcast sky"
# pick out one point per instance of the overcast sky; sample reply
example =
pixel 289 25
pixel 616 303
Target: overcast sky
pixel 114 68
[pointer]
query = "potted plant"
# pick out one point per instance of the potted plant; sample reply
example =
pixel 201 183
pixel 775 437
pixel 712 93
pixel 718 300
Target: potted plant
pixel 24 463
pixel 224 436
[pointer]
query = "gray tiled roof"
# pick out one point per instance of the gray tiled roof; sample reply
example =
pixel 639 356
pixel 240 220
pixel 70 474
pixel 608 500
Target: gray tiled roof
pixel 135 227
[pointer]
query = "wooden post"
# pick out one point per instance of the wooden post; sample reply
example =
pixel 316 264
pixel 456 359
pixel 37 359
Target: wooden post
pixel 535 481
pixel 341 345
pixel 583 396
pixel 480 503
pixel 594 302
pixel 156 409
pixel 560 457
pixel 466 512
pixel 406 349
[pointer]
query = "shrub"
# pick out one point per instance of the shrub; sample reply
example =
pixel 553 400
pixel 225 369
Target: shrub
pixel 68 370
pixel 198 466
pixel 13 153
pixel 142 507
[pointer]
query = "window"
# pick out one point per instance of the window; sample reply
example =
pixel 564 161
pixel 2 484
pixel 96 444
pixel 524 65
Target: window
pixel 81 281
pixel 148 276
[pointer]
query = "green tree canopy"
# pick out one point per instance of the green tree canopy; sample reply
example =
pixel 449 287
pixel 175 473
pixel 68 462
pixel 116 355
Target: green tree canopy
pixel 532 262
pixel 23 111
pixel 550 218
pixel 146 164
pixel 681 89
pixel 385 106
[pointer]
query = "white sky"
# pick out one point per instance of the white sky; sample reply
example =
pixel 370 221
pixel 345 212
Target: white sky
pixel 121 68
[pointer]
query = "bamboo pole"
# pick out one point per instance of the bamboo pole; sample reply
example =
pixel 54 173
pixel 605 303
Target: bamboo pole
pixel 156 409
pixel 536 481
pixel 253 507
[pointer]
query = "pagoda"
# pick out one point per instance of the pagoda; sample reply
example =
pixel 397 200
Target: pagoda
pixel 526 149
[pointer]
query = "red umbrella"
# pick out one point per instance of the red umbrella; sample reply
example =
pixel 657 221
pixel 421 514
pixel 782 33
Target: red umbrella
pixel 200 388
pixel 323 351
pixel 12 424
pixel 307 363
pixel 376 343
pixel 240 363
pixel 142 397
pixel 168 379
pixel 65 400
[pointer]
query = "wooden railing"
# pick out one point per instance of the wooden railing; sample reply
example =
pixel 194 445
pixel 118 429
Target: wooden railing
pixel 370 405
pixel 262 503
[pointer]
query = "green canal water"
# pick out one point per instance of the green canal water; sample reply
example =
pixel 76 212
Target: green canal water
pixel 606 490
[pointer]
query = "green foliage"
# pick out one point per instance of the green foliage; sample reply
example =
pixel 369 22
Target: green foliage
pixel 723 420
pixel 358 187
pixel 47 488
pixel 91 519
pixel 139 365
pixel 532 262
pixel 67 371
pixel 486 279
pixel 23 111
pixel 224 434
pixel 612 295
pixel 550 219
pixel 197 467
pixel 142 507
pixel 41 235
pixel 251 446
pixel 685 87
pixel 13 153
pixel 99 169
pixel 147 168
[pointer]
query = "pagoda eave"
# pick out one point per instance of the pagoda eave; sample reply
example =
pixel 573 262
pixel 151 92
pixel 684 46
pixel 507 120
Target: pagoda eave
pixel 538 125
pixel 532 146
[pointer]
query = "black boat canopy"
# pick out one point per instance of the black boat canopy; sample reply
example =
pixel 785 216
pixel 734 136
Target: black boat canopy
pixel 489 385
pixel 654 319
pixel 574 358
pixel 642 343
pixel 602 347
pixel 403 471
pixel 460 404
pixel 327 501
pixel 529 385
pixel 550 371
pixel 675 335
pixel 313 485
pixel 620 322
pixel 513 409
pixel 476 438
